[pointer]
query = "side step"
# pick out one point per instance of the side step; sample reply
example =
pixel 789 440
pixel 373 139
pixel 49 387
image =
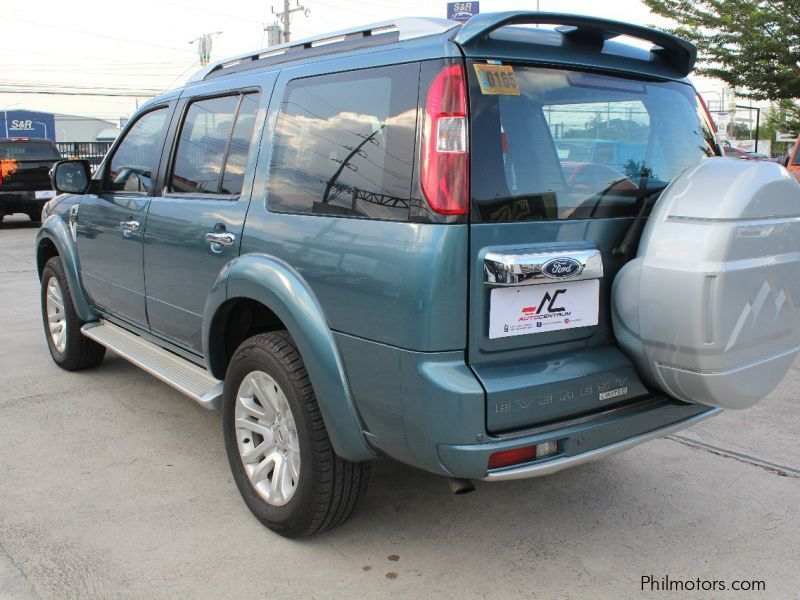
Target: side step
pixel 184 376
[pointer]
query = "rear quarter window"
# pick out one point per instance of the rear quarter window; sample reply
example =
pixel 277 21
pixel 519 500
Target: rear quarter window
pixel 344 144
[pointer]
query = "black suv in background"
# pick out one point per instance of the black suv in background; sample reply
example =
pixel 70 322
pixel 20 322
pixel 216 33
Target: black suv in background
pixel 25 175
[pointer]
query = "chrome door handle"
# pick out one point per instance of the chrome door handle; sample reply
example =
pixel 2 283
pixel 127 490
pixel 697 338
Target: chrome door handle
pixel 222 238
pixel 128 227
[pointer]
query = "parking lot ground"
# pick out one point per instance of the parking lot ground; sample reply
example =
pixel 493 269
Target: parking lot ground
pixel 114 485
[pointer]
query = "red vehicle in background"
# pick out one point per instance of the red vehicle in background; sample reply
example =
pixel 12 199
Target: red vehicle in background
pixel 793 164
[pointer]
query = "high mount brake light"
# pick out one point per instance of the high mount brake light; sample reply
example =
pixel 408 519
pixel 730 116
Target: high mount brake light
pixel 445 159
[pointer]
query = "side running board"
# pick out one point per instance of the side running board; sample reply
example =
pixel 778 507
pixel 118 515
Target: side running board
pixel 184 376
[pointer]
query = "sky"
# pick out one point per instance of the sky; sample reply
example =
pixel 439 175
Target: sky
pixel 144 46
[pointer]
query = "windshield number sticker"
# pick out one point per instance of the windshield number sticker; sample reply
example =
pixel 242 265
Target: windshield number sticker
pixel 497 80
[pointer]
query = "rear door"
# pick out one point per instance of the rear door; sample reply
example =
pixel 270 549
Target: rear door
pixel 194 224
pixel 561 163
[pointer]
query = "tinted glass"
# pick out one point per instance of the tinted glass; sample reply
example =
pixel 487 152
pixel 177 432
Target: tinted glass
pixel 577 145
pixel 202 145
pixel 134 164
pixel 239 150
pixel 796 159
pixel 28 151
pixel 345 144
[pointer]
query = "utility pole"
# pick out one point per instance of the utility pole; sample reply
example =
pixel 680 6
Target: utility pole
pixel 286 16
pixel 204 43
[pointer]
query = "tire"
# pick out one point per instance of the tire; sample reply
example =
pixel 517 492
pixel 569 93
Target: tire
pixel 72 351
pixel 327 487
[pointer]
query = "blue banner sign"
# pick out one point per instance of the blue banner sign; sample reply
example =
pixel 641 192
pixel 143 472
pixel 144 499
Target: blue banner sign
pixel 28 124
pixel 462 11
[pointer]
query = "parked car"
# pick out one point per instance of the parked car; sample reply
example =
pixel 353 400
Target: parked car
pixel 24 175
pixel 367 245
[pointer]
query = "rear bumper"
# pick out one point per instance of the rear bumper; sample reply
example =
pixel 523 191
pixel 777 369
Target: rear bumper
pixel 11 202
pixel 554 465
pixel 579 441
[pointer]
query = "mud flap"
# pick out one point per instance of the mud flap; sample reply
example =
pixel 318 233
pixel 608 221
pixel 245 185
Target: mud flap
pixel 708 309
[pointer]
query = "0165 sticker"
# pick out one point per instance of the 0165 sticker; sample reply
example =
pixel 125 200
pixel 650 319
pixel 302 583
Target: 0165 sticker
pixel 497 80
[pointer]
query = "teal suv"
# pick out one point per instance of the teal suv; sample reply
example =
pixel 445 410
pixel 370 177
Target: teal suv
pixel 489 250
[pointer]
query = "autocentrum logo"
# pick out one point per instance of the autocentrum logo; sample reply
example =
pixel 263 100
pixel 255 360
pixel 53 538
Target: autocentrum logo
pixel 547 308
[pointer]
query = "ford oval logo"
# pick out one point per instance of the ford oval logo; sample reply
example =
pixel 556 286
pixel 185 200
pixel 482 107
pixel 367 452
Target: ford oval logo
pixel 559 268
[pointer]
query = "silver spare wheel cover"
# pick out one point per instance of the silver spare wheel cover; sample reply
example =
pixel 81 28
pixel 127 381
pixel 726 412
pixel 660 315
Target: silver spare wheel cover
pixel 707 310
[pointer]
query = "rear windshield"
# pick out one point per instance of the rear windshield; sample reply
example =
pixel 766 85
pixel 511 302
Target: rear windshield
pixel 574 145
pixel 28 151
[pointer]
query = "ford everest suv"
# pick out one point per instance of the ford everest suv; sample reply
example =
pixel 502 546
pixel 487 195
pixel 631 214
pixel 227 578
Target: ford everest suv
pixel 379 243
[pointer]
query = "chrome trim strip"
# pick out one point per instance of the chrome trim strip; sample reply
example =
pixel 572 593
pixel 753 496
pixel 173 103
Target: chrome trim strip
pixel 557 464
pixel 523 267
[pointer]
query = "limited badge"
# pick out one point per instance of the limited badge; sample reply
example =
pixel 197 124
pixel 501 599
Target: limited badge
pixel 497 80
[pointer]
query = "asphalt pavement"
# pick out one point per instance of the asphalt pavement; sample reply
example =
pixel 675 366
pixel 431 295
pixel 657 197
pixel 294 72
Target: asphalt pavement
pixel 112 485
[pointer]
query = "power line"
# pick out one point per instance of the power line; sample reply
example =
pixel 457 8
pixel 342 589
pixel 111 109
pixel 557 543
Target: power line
pixel 95 34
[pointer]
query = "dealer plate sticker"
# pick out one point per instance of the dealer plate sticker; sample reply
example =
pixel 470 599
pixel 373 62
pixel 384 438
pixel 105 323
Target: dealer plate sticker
pixel 44 195
pixel 497 80
pixel 545 307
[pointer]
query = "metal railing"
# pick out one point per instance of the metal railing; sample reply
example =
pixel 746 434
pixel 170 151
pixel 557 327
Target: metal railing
pixel 91 151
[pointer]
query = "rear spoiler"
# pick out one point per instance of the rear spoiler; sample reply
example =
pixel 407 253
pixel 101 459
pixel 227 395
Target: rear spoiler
pixel 678 53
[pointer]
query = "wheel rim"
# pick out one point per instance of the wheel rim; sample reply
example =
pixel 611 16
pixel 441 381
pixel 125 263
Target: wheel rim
pixel 56 317
pixel 266 437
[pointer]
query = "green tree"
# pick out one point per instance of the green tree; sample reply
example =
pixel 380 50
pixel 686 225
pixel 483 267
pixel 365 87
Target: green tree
pixel 752 44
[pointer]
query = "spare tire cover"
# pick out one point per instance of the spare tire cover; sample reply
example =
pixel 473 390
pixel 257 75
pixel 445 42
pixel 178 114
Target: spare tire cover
pixel 707 311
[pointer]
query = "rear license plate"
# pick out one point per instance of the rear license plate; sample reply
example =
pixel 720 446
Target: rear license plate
pixel 544 307
pixel 45 194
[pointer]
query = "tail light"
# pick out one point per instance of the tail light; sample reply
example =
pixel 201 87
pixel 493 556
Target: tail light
pixel 445 159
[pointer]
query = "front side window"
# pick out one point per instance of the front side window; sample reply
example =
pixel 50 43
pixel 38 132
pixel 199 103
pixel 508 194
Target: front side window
pixel 345 144
pixel 134 163
pixel 214 145
pixel 575 145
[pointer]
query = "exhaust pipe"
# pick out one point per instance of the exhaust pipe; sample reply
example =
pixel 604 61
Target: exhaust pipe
pixel 460 486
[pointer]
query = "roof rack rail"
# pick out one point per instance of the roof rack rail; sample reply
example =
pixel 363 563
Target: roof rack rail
pixel 678 53
pixel 398 29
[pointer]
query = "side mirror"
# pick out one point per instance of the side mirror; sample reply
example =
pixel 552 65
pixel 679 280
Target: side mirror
pixel 71 176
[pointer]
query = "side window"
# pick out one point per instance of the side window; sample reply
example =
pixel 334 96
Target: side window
pixel 214 144
pixel 344 144
pixel 133 166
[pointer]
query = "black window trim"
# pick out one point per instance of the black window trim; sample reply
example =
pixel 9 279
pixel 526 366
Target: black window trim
pixel 173 155
pixel 102 182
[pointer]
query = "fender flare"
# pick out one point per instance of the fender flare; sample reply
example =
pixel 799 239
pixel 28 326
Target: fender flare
pixel 276 285
pixel 56 231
